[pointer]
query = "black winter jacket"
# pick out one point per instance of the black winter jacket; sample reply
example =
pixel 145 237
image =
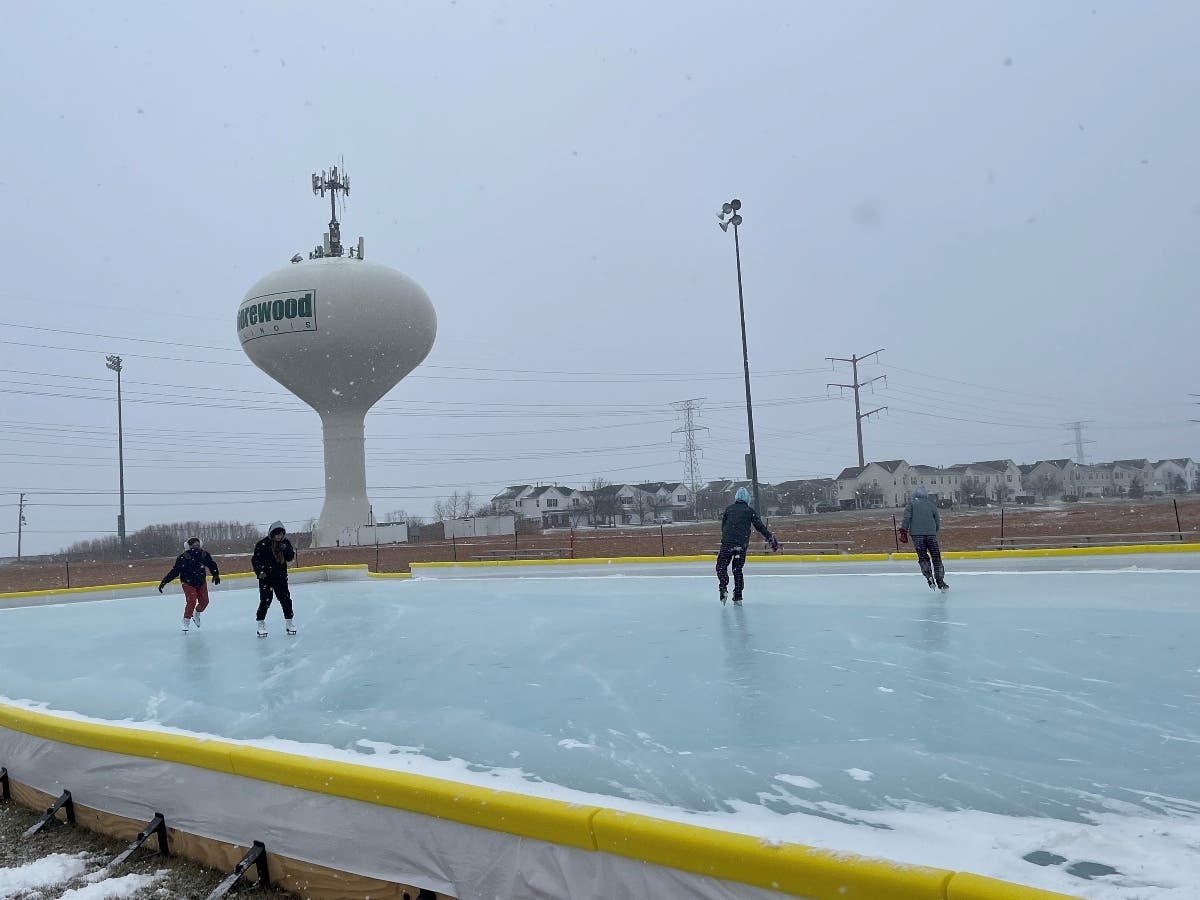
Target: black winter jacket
pixel 190 566
pixel 736 522
pixel 266 566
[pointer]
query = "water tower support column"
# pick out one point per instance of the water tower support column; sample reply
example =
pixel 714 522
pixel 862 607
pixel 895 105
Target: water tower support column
pixel 346 501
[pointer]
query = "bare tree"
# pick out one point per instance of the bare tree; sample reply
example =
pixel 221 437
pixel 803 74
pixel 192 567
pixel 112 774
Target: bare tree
pixel 1047 484
pixel 970 487
pixel 602 501
pixel 457 505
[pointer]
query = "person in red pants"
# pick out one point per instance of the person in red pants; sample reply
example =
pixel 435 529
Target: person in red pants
pixel 190 566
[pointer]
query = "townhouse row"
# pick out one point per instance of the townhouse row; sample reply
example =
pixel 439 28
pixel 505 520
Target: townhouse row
pixel 889 483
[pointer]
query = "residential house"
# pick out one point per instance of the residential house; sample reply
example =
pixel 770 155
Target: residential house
pixel 1176 476
pixel 668 500
pixel 557 506
pixel 876 484
pixel 1000 479
pixel 1125 472
pixel 1049 478
pixel 506 500
pixel 803 496
pixel 1098 480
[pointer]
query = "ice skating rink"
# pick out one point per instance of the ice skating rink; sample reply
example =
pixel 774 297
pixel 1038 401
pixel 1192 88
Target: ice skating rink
pixel 1040 723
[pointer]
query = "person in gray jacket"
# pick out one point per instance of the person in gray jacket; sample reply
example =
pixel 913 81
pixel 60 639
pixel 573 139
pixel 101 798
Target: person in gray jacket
pixel 921 520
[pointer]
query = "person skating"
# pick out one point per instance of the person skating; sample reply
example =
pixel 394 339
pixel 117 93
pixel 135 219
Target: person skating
pixel 736 522
pixel 190 566
pixel 922 522
pixel 270 559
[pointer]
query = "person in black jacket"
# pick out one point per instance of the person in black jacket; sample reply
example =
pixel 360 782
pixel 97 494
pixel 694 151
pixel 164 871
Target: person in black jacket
pixel 736 522
pixel 190 566
pixel 270 559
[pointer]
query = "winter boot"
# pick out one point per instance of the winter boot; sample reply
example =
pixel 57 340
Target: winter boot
pixel 185 626
pixel 196 618
pixel 291 628
pixel 262 628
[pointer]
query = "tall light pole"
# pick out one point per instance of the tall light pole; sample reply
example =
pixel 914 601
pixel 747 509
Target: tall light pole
pixel 114 363
pixel 730 215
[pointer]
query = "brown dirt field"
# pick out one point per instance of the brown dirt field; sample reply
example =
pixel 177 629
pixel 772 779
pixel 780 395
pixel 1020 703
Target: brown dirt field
pixel 866 530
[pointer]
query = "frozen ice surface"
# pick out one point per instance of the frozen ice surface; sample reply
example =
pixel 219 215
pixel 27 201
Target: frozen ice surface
pixel 1069 699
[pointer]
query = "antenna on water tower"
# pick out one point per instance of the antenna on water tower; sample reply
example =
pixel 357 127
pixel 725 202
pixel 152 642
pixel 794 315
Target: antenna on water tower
pixel 333 181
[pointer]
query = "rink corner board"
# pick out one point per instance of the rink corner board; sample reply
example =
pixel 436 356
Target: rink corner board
pixel 786 868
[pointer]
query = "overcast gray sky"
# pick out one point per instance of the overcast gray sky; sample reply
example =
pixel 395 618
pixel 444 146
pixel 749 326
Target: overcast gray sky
pixel 1004 196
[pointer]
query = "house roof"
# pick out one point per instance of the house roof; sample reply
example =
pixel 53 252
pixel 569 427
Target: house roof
pixel 1026 468
pixel 850 472
pixel 1131 463
pixel 1057 463
pixel 999 465
pixel 543 488
pixel 511 492
pixel 925 470
pixel 1184 461
pixel 891 464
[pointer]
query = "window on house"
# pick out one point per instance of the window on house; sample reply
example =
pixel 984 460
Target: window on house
pixel 551 502
pixel 681 498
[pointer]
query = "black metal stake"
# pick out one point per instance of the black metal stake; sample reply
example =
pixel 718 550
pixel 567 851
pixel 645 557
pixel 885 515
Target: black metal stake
pixel 156 826
pixel 1178 526
pixel 662 538
pixel 895 533
pixel 5 793
pixel 453 546
pixel 64 803
pixel 1001 524
pixel 257 856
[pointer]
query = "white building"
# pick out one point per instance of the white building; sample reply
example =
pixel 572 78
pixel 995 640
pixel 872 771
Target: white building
pixel 1175 476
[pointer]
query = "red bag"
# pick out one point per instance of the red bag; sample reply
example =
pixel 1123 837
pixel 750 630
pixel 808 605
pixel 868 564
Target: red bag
pixel 904 535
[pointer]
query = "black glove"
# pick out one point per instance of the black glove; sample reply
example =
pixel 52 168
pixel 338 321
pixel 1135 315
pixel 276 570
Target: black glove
pixel 216 579
pixel 161 585
pixel 774 545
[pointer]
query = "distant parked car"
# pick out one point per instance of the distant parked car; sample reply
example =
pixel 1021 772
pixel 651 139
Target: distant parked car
pixel 1070 498
pixel 827 507
pixel 945 503
pixel 1026 499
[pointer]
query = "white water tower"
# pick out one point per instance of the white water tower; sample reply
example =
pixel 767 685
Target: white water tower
pixel 338 332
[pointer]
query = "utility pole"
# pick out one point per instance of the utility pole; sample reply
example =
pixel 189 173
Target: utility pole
pixel 1197 421
pixel 1079 441
pixel 20 524
pixel 691 452
pixel 859 415
pixel 114 363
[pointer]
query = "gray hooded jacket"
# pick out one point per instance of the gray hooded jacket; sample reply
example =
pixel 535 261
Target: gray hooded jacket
pixel 921 513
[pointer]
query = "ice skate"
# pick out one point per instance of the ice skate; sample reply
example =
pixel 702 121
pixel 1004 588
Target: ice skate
pixel 737 598
pixel 724 594
pixel 262 629
pixel 289 626
pixel 185 626
pixel 943 586
pixel 196 619
pixel 932 584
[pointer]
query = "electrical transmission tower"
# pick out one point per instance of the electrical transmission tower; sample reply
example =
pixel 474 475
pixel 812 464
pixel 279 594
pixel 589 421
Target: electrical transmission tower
pixel 859 415
pixel 1079 441
pixel 691 453
pixel 1198 404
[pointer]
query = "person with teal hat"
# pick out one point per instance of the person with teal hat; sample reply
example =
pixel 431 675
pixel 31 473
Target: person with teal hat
pixel 737 520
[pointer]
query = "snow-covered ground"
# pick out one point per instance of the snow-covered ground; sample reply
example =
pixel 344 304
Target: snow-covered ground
pixel 1036 726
